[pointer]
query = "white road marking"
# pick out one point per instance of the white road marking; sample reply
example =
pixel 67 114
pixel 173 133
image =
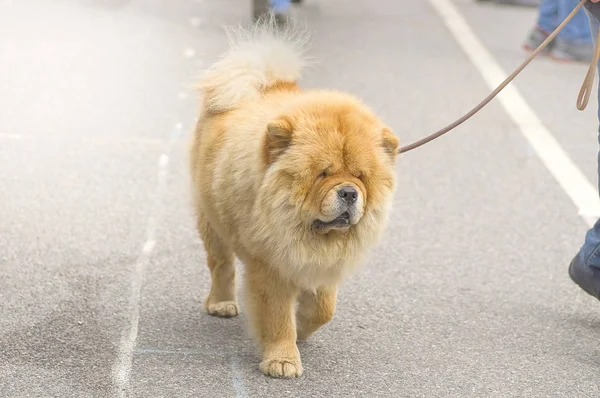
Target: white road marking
pixel 149 247
pixel 122 369
pixel 189 52
pixel 158 351
pixel 85 140
pixel 163 161
pixel 581 191
pixel 195 21
pixel 11 136
pixel 237 379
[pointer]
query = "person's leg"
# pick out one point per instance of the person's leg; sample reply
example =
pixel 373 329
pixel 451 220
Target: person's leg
pixel 281 10
pixel 548 16
pixel 574 42
pixel 578 30
pixel 280 6
pixel 584 269
pixel 260 8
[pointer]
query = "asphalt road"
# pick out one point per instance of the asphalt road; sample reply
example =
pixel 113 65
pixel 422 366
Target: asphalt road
pixel 102 274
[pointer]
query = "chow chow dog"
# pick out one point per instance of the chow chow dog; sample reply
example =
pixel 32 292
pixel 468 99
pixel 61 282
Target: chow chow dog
pixel 296 183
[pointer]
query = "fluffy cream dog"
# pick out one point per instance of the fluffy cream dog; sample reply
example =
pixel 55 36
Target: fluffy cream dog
pixel 296 183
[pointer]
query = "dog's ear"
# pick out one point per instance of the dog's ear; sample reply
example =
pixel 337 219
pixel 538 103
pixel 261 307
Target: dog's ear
pixel 277 138
pixel 390 142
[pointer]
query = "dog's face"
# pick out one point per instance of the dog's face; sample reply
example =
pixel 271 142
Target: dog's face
pixel 334 163
pixel 342 201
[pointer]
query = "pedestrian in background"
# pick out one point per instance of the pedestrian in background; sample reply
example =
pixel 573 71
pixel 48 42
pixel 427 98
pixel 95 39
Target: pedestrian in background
pixel 280 9
pixel 584 269
pixel 573 43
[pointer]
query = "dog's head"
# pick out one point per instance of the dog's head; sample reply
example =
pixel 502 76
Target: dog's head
pixel 330 168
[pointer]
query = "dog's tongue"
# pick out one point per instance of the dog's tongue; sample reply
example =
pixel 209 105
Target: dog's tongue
pixel 344 217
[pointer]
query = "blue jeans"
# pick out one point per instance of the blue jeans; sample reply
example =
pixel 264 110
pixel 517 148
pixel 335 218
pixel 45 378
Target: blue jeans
pixel 280 5
pixel 552 12
pixel 589 254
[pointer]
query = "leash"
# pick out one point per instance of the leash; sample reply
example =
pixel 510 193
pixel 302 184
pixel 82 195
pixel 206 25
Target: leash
pixel 582 99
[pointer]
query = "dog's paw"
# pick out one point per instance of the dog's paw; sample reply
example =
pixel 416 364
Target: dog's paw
pixel 282 367
pixel 224 309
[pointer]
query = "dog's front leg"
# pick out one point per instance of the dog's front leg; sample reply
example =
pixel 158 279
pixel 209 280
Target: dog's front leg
pixel 271 305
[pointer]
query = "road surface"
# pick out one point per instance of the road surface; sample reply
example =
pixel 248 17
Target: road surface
pixel 102 274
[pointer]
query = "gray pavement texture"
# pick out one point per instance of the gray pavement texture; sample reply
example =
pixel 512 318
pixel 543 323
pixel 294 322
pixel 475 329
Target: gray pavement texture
pixel 466 296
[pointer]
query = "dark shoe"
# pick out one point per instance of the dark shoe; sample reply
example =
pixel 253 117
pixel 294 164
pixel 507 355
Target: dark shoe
pixel 566 51
pixel 260 9
pixel 537 37
pixel 587 278
pixel 281 19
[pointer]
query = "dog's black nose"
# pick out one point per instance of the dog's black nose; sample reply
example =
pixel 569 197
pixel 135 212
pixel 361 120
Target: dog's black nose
pixel 348 194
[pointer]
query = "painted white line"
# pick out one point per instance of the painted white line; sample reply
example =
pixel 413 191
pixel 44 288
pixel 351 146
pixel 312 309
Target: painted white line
pixel 237 379
pixel 11 136
pixel 84 140
pixel 158 351
pixel 163 162
pixel 581 191
pixel 189 52
pixel 196 22
pixel 149 247
pixel 122 369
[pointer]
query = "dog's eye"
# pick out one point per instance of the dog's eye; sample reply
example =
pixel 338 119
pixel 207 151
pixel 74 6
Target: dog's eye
pixel 322 175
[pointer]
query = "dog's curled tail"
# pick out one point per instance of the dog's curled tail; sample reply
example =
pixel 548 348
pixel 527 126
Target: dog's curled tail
pixel 257 58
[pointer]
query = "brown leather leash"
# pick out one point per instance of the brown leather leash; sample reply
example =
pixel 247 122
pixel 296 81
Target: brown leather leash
pixel 582 99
